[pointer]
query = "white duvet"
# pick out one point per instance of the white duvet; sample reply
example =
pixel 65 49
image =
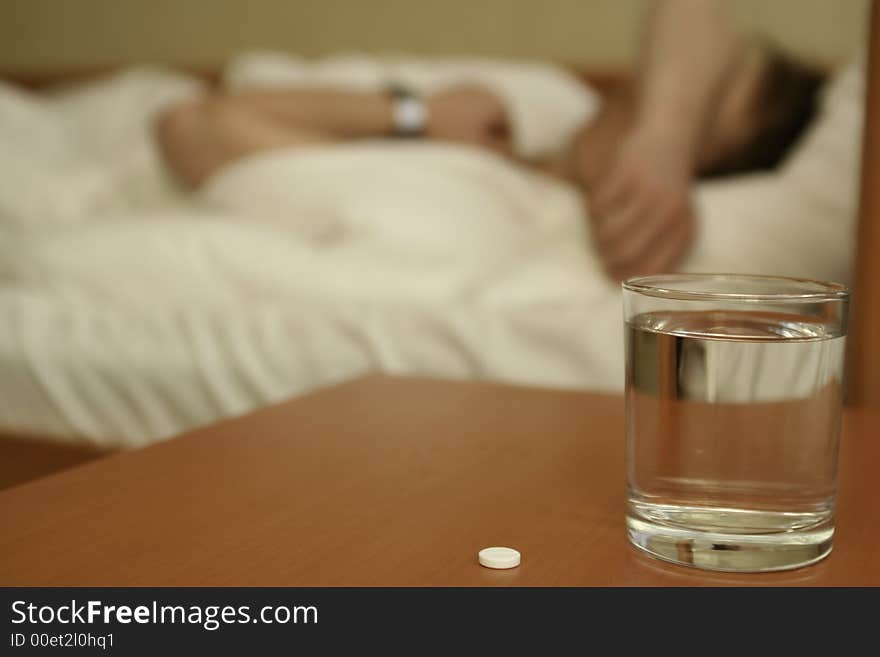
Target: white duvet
pixel 130 311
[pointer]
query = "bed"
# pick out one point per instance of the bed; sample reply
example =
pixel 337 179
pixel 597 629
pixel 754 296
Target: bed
pixel 130 311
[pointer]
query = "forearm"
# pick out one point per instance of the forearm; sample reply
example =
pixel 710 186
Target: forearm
pixel 199 136
pixel 347 115
pixel 692 46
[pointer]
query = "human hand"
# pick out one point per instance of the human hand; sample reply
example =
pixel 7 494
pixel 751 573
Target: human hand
pixel 641 208
pixel 470 115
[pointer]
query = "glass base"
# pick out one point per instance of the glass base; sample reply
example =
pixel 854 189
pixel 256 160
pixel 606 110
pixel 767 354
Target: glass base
pixel 751 548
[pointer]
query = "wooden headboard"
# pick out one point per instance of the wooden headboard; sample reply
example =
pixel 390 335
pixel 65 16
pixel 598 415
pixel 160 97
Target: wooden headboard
pixel 864 353
pixel 601 78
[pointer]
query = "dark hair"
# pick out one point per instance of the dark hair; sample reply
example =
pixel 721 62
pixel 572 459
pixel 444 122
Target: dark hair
pixel 786 101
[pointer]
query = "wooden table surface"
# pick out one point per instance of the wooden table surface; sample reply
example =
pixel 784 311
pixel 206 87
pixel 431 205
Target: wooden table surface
pixel 386 482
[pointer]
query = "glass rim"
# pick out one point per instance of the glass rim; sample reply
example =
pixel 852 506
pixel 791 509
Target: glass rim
pixel 662 286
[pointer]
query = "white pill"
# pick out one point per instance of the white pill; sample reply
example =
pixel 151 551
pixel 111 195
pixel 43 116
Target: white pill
pixel 499 557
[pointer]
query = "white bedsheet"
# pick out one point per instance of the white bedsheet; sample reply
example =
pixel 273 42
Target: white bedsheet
pixel 130 311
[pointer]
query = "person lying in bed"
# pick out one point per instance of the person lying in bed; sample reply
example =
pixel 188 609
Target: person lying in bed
pixel 706 100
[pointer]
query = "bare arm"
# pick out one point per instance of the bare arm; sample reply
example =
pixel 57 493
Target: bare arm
pixel 343 114
pixel 198 137
pixel 692 47
pixel 640 193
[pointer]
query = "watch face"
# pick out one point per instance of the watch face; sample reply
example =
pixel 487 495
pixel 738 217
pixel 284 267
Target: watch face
pixel 410 115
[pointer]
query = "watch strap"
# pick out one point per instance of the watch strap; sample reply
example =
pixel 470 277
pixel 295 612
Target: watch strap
pixel 409 113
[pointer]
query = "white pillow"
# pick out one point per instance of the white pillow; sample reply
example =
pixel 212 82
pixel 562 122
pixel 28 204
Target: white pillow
pixel 825 166
pixel 76 155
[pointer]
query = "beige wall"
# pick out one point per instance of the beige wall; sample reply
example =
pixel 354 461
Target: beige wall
pixel 41 35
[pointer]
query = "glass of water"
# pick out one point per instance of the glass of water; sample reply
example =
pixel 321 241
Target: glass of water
pixel 733 398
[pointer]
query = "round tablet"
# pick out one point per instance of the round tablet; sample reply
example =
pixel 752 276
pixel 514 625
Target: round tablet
pixel 499 557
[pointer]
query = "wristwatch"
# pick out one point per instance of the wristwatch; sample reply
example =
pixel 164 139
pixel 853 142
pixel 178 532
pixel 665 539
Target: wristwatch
pixel 409 112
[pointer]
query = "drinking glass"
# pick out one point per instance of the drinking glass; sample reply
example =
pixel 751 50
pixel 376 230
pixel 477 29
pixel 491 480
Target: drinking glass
pixel 733 405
